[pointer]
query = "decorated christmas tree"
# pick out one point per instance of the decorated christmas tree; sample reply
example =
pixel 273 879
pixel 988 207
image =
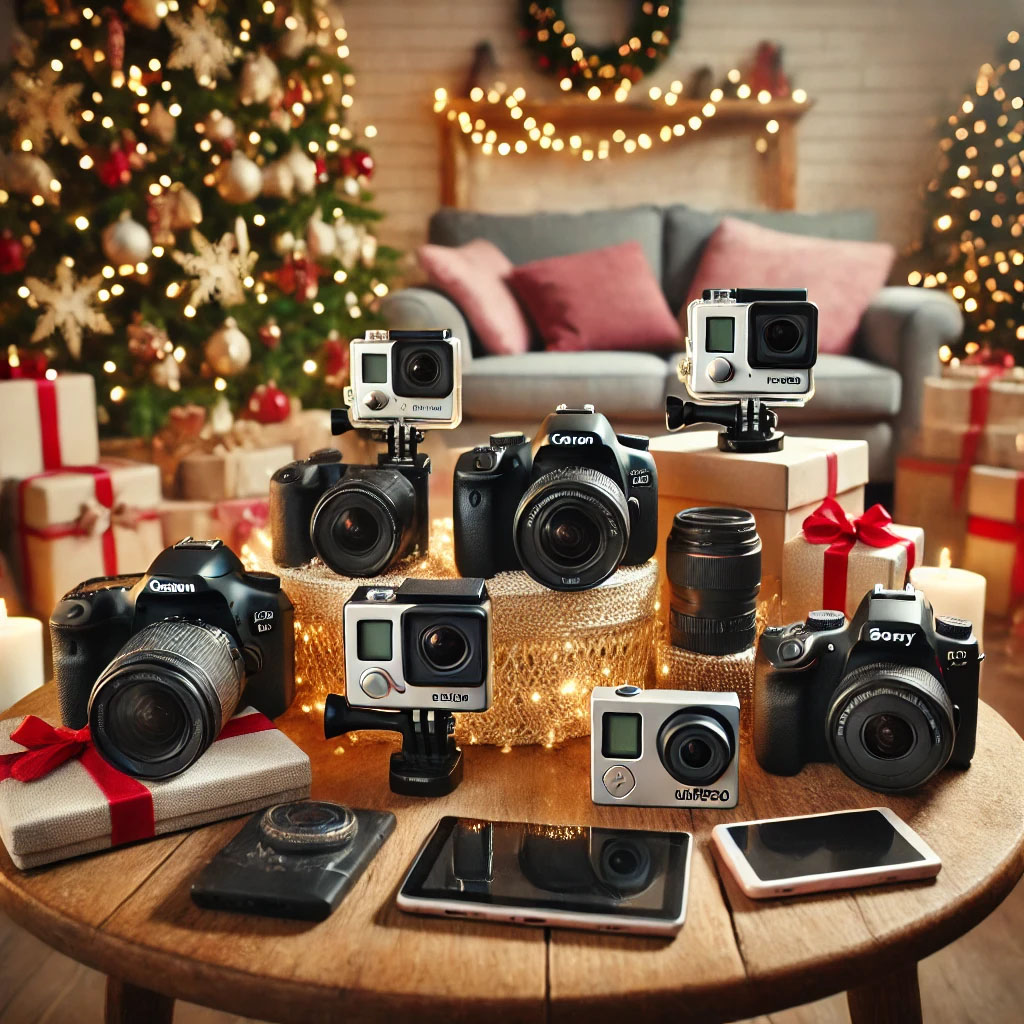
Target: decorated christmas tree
pixel 975 212
pixel 183 208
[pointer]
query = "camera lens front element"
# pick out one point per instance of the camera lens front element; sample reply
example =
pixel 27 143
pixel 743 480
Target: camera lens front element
pixel 782 334
pixel 149 720
pixel 356 530
pixel 311 826
pixel 887 736
pixel 695 747
pixel 445 647
pixel 424 369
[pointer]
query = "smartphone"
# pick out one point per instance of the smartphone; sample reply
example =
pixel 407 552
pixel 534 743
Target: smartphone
pixel 293 860
pixel 819 852
pixel 599 879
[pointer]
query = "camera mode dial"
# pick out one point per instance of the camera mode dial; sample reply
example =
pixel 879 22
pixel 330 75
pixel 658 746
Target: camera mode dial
pixel 509 439
pixel 823 620
pixel 952 627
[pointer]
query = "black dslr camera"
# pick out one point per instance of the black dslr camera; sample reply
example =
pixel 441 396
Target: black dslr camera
pixel 156 664
pixel 892 698
pixel 569 511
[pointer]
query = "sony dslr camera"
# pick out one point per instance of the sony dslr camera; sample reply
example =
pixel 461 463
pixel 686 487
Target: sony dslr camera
pixel 891 698
pixel 569 511
pixel 156 664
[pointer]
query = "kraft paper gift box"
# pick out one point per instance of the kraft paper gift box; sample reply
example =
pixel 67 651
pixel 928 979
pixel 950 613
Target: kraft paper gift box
pixel 838 559
pixel 84 804
pixel 232 521
pixel 77 523
pixel 982 399
pixel 234 473
pixel 932 494
pixel 995 535
pixel 993 445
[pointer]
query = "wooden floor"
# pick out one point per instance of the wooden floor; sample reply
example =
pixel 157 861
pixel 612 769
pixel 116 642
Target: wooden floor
pixel 977 980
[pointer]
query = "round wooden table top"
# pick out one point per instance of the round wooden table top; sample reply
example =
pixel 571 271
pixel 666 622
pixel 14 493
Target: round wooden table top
pixel 128 912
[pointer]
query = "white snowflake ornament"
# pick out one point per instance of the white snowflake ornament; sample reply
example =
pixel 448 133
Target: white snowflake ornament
pixel 68 307
pixel 42 109
pixel 201 45
pixel 218 269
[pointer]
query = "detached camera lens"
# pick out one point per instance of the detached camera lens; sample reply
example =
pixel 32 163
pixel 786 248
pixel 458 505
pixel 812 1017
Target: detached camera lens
pixel 782 334
pixel 444 647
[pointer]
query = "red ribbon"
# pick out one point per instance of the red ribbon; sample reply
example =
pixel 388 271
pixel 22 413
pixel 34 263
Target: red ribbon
pixel 46 403
pixel 958 471
pixel 240 517
pixel 130 802
pixel 829 524
pixel 832 474
pixel 1009 533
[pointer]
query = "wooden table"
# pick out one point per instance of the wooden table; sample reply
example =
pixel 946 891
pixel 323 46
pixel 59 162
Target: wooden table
pixel 128 913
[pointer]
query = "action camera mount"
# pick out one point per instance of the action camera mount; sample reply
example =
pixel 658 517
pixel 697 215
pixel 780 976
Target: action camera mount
pixel 750 425
pixel 429 763
pixel 401 438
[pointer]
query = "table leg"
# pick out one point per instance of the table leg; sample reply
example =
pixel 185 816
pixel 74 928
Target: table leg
pixel 887 999
pixel 129 1004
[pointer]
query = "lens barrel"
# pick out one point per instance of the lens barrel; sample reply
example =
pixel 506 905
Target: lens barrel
pixel 695 747
pixel 713 562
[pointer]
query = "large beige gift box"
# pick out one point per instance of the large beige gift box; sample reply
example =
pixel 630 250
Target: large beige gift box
pixel 995 535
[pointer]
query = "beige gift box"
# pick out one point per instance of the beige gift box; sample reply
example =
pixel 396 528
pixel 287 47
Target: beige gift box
pixel 232 520
pixel 66 814
pixel 234 473
pixel 995 533
pixel 948 400
pixel 63 526
pixel 932 494
pixel 24 424
pixel 998 445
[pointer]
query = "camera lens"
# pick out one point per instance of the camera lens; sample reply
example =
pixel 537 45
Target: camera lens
pixel 164 698
pixel 571 529
pixel 890 727
pixel 444 647
pixel 312 826
pixel 424 369
pixel 365 522
pixel 782 334
pixel 625 865
pixel 713 562
pixel 695 747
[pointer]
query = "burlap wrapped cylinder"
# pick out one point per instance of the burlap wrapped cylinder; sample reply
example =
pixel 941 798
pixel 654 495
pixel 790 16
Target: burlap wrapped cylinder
pixel 550 648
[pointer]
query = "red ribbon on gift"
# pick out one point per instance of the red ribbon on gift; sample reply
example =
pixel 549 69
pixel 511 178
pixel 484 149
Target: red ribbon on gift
pixel 130 802
pixel 1010 533
pixel 829 524
pixel 831 474
pixel 977 421
pixel 240 517
pixel 49 432
pixel 958 471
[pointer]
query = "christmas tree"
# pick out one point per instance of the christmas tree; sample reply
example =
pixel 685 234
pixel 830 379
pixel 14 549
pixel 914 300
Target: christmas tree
pixel 975 213
pixel 183 209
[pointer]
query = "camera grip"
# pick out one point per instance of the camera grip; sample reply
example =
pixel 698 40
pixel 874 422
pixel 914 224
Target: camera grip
pixel 778 725
pixel 291 507
pixel 475 518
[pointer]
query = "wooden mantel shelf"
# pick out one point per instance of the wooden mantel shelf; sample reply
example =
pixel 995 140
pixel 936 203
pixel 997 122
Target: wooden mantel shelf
pixel 776 165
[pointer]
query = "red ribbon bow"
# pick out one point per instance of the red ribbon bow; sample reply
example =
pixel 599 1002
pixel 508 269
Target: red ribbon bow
pixel 48 748
pixel 829 524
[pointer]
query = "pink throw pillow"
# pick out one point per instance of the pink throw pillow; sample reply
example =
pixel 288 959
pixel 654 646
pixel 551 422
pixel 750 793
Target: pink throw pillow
pixel 473 277
pixel 601 299
pixel 841 277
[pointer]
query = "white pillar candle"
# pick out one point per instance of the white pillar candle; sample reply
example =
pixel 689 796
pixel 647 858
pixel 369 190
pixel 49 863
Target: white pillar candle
pixel 955 592
pixel 21 656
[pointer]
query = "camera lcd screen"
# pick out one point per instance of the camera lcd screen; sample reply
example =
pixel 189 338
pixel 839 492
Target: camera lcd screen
pixel 620 735
pixel 721 334
pixel 822 845
pixel 603 871
pixel 375 368
pixel 373 640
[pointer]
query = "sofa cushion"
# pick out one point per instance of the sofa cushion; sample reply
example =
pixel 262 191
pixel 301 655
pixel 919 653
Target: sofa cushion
pixel 529 386
pixel 687 231
pixel 602 299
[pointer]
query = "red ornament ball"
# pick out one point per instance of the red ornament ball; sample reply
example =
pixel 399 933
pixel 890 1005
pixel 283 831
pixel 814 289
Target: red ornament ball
pixel 115 170
pixel 269 404
pixel 270 334
pixel 335 355
pixel 12 254
pixel 357 164
pixel 321 169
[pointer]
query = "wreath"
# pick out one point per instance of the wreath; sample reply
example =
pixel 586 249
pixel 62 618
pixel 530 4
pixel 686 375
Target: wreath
pixel 559 51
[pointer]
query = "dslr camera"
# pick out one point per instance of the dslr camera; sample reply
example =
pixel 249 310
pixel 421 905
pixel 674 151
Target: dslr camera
pixel 891 697
pixel 664 748
pixel 361 519
pixel 569 510
pixel 156 664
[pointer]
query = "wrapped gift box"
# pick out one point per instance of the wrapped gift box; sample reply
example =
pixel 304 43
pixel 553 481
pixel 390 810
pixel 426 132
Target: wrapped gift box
pixel 961 400
pixel 232 521
pixel 932 493
pixel 995 535
pixel 74 524
pixel 71 810
pixel 994 445
pixel 234 473
pixel 837 559
pixel 45 424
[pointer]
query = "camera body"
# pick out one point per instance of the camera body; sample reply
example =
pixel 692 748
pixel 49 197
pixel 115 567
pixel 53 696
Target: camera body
pixel 750 343
pixel 413 377
pixel 193 582
pixel 664 748
pixel 425 645
pixel 569 510
pixel 358 519
pixel 891 697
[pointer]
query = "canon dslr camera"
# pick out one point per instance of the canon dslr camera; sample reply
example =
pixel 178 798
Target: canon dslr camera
pixel 891 698
pixel 156 664
pixel 569 511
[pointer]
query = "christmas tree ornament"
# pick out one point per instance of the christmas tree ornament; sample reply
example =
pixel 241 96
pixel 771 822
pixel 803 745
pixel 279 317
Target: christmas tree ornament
pixel 147 342
pixel 298 277
pixel 359 164
pixel 115 41
pixel 334 357
pixel 126 241
pixel 281 119
pixel 12 254
pixel 269 404
pixel 303 171
pixel 349 242
pixel 285 244
pixel 28 175
pixel 320 237
pixel 23 48
pixel 221 418
pixel 295 38
pixel 218 269
pixel 160 124
pixel 351 187
pixel 174 209
pixel 367 247
pixel 144 12
pixel 260 82
pixel 42 109
pixel 321 169
pixel 278 180
pixel 166 373
pixel 116 169
pixel 240 179
pixel 227 350
pixel 201 45
pixel 270 334
pixel 68 307
pixel 219 127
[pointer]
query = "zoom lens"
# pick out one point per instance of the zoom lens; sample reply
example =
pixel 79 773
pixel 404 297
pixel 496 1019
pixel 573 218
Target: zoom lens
pixel 782 334
pixel 164 698
pixel 695 747
pixel 713 562
pixel 571 529
pixel 890 727
pixel 444 647
pixel 365 523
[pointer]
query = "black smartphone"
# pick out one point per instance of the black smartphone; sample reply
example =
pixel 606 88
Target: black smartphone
pixel 293 860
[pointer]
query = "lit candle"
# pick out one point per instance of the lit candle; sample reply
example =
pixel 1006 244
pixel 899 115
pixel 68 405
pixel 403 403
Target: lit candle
pixel 955 592
pixel 21 656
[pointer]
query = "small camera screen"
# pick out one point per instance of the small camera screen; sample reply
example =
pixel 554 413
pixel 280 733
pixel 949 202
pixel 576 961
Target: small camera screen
pixel 375 368
pixel 620 735
pixel 373 640
pixel 721 334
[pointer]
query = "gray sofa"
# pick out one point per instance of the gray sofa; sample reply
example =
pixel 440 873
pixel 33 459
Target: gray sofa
pixel 874 393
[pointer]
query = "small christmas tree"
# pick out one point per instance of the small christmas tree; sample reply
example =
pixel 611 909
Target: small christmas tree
pixel 975 212
pixel 183 209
